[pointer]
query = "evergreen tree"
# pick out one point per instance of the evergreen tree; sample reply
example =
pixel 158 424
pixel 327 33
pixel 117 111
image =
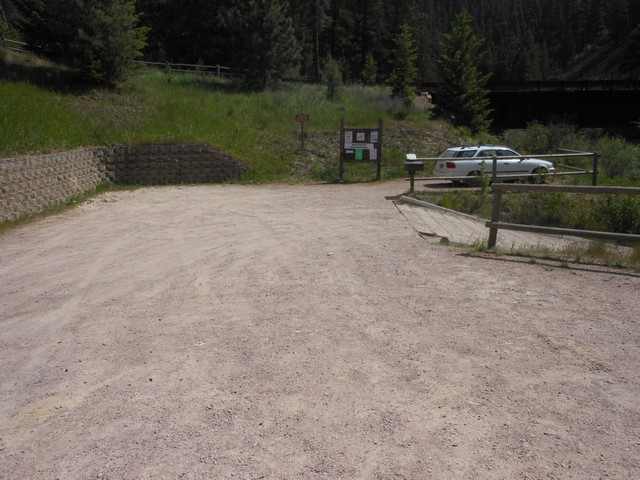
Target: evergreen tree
pixel 463 99
pixel 99 38
pixel 48 26
pixel 332 77
pixel 311 18
pixel 263 42
pixel 404 72
pixel 370 70
pixel 107 41
pixel 185 32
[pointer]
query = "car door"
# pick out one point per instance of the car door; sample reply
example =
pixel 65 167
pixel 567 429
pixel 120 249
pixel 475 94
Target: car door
pixel 485 157
pixel 512 166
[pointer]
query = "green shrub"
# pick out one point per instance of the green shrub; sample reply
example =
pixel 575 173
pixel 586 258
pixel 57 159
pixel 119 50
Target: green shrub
pixel 548 209
pixel 618 158
pixel 619 213
pixel 540 138
pixel 471 202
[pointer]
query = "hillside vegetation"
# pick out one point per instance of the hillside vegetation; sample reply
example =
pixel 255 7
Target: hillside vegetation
pixel 44 109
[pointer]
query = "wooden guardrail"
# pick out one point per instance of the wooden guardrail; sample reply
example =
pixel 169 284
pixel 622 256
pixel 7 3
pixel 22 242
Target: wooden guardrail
pixel 495 223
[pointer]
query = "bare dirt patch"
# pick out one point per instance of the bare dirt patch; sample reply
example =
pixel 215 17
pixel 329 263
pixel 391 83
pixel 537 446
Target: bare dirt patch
pixel 285 332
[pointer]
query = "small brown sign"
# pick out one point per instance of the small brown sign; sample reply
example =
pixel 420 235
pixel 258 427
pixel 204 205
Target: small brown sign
pixel 302 117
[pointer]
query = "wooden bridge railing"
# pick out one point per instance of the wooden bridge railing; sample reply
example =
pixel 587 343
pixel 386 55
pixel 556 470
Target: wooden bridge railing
pixel 495 223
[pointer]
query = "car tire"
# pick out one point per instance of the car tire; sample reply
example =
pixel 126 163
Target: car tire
pixel 474 179
pixel 538 175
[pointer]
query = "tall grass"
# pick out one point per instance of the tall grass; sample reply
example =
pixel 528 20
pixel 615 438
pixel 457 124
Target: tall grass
pixel 258 129
pixel 35 119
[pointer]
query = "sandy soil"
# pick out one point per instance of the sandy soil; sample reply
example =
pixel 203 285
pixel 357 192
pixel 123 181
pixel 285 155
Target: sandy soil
pixel 304 332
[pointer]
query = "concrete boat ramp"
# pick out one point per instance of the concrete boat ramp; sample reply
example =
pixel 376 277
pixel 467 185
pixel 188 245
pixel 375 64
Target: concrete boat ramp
pixel 459 228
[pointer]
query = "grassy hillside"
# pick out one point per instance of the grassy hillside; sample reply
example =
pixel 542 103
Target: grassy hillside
pixel 43 109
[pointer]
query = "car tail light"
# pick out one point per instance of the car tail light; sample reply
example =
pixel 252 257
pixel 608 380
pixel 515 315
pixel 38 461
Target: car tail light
pixel 450 165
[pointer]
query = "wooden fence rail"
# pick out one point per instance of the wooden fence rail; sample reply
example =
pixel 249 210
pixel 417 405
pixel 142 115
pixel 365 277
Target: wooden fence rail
pixel 14 45
pixel 495 223
pixel 195 69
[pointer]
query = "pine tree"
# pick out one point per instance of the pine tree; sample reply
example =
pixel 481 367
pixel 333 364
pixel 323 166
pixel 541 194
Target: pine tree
pixel 403 65
pixel 107 41
pixel 311 17
pixel 98 38
pixel 370 70
pixel 185 32
pixel 463 97
pixel 48 26
pixel 332 77
pixel 263 42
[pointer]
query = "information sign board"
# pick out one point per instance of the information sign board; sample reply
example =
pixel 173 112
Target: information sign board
pixel 360 145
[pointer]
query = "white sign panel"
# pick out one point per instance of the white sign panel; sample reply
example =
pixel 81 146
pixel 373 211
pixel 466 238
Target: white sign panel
pixel 348 138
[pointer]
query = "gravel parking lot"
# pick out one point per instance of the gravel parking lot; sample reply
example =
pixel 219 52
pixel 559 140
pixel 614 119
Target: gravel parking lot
pixel 304 332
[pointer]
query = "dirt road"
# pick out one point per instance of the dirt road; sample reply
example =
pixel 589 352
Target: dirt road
pixel 303 332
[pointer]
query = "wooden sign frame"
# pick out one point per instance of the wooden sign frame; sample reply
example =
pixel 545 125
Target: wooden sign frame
pixel 360 145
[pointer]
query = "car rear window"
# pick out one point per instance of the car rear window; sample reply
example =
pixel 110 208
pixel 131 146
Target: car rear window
pixel 448 154
pixel 452 153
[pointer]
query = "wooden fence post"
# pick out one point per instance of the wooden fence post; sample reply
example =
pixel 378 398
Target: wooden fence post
pixel 379 162
pixel 494 173
pixel 596 161
pixel 495 217
pixel 341 165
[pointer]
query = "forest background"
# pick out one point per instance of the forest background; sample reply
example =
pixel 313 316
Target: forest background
pixel 524 39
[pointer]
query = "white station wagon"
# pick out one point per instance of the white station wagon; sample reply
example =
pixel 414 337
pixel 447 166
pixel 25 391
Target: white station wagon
pixel 473 161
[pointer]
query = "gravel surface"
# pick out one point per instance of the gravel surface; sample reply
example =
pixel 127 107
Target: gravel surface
pixel 304 332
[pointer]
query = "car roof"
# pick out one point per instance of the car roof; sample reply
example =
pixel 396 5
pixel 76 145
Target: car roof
pixel 469 147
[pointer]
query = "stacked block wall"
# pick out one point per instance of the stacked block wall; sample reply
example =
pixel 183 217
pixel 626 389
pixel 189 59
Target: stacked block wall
pixel 31 183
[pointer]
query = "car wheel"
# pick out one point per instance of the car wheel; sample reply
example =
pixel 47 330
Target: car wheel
pixel 474 179
pixel 539 175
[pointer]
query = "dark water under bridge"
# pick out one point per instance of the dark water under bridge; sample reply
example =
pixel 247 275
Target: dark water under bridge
pixel 597 104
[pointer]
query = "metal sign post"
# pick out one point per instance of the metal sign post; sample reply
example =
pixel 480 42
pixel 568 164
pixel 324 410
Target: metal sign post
pixel 301 118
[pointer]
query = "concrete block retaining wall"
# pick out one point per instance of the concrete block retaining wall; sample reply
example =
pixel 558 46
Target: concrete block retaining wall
pixel 31 183
pixel 169 164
